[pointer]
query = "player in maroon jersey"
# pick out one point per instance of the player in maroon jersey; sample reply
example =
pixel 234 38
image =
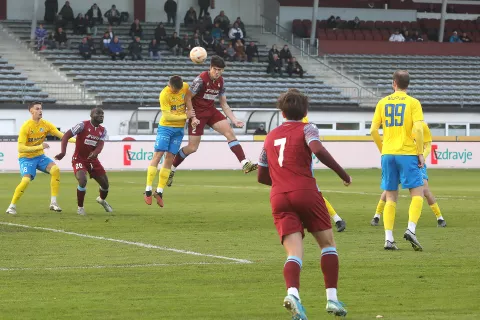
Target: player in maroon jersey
pixel 200 101
pixel 286 165
pixel 90 140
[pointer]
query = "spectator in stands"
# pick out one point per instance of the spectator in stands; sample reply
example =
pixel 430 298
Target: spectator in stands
pixel 454 37
pixel 294 68
pixel 80 25
pixel 416 37
pixel 240 54
pixel 174 44
pixel 59 22
pixel 203 4
pixel 396 37
pixel 51 9
pixel 260 131
pixel 241 25
pixel 113 16
pixel 67 13
pixel 207 40
pixel 221 48
pixel 273 52
pixel 61 39
pixel 160 33
pixel 40 35
pixel 95 15
pixel 91 43
pixel 207 20
pixel 135 49
pixel 236 34
pixel 190 17
pixel 186 43
pixel 91 26
pixel 230 52
pixel 136 29
pixel 154 50
pixel 196 42
pixel 217 32
pixel 50 42
pixel 200 26
pixel 116 49
pixel 407 36
pixel 84 49
pixel 465 38
pixel 111 33
pixel 223 21
pixel 285 55
pixel 170 9
pixel 252 52
pixel 275 66
pixel 106 42
pixel 339 23
pixel 331 23
pixel 354 24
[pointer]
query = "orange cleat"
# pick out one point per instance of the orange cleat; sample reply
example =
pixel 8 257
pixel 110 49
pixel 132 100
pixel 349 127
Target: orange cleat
pixel 148 199
pixel 158 197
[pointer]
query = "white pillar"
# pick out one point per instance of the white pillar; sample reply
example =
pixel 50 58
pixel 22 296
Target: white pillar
pixel 314 22
pixel 442 21
pixel 34 20
pixel 178 19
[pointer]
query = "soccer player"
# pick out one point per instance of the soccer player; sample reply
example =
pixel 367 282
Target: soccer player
pixel 200 101
pixel 31 156
pixel 90 141
pixel 339 222
pixel 285 164
pixel 169 135
pixel 402 158
pixel 432 202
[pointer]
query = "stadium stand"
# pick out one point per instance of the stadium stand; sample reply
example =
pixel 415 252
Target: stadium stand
pixel 138 82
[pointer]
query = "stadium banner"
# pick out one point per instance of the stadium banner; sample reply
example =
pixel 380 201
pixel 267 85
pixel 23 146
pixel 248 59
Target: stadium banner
pixel 136 155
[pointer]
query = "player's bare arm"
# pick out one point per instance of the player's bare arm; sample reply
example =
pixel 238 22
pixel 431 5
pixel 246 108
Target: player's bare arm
pixel 190 110
pixel 229 113
pixel 263 176
pixel 67 136
pixel 326 158
pixel 94 154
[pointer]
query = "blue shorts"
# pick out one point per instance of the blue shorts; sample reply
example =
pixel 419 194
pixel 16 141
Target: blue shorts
pixel 31 165
pixel 424 172
pixel 169 139
pixel 403 169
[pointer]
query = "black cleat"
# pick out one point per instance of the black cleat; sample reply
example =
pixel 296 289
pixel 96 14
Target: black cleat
pixel 341 225
pixel 441 223
pixel 375 221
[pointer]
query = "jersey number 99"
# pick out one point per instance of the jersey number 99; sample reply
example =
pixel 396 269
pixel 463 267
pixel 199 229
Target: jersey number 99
pixel 394 114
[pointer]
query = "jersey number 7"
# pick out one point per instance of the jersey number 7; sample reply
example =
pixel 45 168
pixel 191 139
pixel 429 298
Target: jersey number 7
pixel 280 142
pixel 394 114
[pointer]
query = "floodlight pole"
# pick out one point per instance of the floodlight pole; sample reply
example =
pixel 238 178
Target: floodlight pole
pixel 443 15
pixel 177 19
pixel 34 20
pixel 314 23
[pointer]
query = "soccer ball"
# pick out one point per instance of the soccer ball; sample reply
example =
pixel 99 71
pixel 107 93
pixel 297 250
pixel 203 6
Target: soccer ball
pixel 198 55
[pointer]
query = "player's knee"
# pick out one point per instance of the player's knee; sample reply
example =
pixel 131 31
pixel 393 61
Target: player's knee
pixel 191 148
pixel 55 170
pixel 26 179
pixel 82 181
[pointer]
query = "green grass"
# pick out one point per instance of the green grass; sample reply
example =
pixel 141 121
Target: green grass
pixel 227 213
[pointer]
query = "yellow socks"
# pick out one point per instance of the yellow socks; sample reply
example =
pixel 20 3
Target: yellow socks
pixel 414 212
pixel 54 181
pixel 163 177
pixel 436 210
pixel 151 173
pixel 389 219
pixel 333 214
pixel 20 189
pixel 380 207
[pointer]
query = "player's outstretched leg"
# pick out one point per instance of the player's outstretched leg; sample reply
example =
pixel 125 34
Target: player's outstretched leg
pixel 432 202
pixel 54 186
pixel 378 212
pixel 339 222
pixel 81 176
pixel 19 190
pixel 293 244
pixel 103 190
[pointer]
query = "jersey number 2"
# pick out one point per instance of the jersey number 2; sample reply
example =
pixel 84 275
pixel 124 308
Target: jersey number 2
pixel 280 142
pixel 394 114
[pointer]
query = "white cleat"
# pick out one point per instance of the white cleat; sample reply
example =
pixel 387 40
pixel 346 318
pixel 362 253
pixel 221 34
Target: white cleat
pixel 54 207
pixel 11 210
pixel 81 211
pixel 104 204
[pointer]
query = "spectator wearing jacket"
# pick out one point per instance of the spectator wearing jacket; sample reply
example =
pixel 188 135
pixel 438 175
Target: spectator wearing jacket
pixel 207 40
pixel 273 52
pixel 40 35
pixel 113 16
pixel 465 38
pixel 285 55
pixel 221 48
pixel 294 68
pixel 95 15
pixel 275 66
pixel 241 25
pixel 190 17
pixel 454 37
pixel 217 32
pixel 116 50
pixel 84 49
pixel 170 9
pixel 252 52
pixel 186 44
pixel 91 43
pixel 160 33
pixel 175 44
pixel 80 25
pixel 223 21
pixel 154 50
pixel 51 9
pixel 106 42
pixel 396 37
pixel 136 30
pixel 61 39
pixel 135 49
pixel 240 54
pixel 67 13
pixel 235 34
pixel 203 4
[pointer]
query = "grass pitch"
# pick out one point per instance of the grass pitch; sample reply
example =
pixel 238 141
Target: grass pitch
pixel 66 275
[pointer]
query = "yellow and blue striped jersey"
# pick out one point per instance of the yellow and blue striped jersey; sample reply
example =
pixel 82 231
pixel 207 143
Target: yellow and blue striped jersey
pixel 173 107
pixel 397 113
pixel 33 134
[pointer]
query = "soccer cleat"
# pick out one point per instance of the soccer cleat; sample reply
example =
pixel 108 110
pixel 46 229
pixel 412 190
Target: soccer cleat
pixel 294 306
pixel 336 308
pixel 170 178
pixel 410 236
pixel 104 204
pixel 441 223
pixel 375 221
pixel 249 167
pixel 54 207
pixel 81 211
pixel 159 198
pixel 11 210
pixel 341 225
pixel 390 245
pixel 147 196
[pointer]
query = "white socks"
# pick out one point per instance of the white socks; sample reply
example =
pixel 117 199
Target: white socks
pixel 336 218
pixel 159 190
pixel 332 294
pixel 389 235
pixel 148 188
pixel 440 218
pixel 173 168
pixel 376 216
pixel 53 199
pixel 294 292
pixel 244 161
pixel 412 226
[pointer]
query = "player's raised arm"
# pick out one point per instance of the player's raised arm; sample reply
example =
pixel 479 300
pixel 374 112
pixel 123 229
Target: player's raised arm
pixel 57 133
pixel 63 145
pixel 376 122
pixel 263 175
pixel 228 112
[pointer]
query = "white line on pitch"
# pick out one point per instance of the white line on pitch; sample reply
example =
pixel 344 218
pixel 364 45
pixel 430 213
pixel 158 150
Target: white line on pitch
pixel 126 266
pixel 133 243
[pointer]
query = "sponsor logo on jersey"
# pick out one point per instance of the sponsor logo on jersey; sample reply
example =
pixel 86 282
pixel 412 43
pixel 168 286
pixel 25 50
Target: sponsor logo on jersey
pixel 34 139
pixel 89 142
pixel 41 129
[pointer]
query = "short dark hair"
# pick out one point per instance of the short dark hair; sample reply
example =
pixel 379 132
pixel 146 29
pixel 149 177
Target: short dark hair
pixel 217 62
pixel 176 82
pixel 402 79
pixel 34 103
pixel 293 104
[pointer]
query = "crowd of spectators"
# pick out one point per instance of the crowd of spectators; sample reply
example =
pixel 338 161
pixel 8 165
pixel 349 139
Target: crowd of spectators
pixel 283 61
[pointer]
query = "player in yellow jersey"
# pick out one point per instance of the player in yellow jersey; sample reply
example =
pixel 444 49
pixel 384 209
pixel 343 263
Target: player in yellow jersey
pixel 169 135
pixel 32 158
pixel 339 222
pixel 432 202
pixel 401 117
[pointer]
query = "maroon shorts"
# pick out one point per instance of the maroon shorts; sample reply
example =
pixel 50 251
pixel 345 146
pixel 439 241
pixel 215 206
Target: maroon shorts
pixel 93 167
pixel 294 211
pixel 209 119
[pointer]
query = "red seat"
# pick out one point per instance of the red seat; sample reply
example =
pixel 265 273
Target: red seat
pixel 397 25
pixel 414 25
pixel 388 25
pixel 370 25
pixel 377 36
pixel 379 24
pixel 359 36
pixel 368 37
pixel 331 35
pixel 349 36
pixel 341 36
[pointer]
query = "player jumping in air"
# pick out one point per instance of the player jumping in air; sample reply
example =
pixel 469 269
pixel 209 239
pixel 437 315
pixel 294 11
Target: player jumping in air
pixel 285 164
pixel 200 101
pixel 31 156
pixel 432 202
pixel 90 141
pixel 169 135
pixel 402 156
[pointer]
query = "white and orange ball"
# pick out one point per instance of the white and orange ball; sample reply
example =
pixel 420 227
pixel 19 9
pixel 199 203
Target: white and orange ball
pixel 198 55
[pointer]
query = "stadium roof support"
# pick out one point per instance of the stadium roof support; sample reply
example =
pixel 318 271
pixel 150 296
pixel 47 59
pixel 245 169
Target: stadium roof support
pixel 314 22
pixel 442 21
pixel 34 19
pixel 178 19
